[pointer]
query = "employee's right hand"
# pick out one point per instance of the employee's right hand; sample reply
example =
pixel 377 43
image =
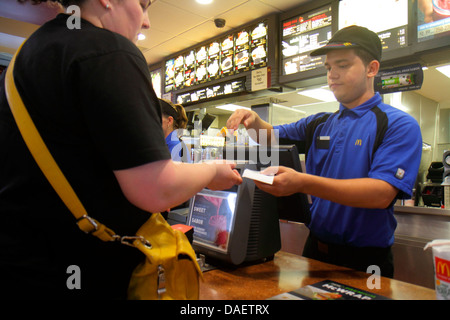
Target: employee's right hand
pixel 286 181
pixel 244 116
pixel 226 176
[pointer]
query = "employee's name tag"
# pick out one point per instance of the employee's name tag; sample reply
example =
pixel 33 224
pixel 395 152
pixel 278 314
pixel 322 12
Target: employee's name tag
pixel 323 142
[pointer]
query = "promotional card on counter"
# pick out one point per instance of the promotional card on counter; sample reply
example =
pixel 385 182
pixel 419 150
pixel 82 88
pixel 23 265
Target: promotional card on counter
pixel 328 290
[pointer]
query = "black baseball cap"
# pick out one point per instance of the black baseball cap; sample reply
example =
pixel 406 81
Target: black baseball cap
pixel 352 37
pixel 167 109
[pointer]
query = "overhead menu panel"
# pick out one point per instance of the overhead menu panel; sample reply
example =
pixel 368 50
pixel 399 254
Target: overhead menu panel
pixel 300 35
pixel 433 19
pixel 387 18
pixel 232 54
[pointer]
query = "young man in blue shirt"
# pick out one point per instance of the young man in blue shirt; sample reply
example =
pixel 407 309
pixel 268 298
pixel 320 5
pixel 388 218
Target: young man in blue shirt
pixel 359 160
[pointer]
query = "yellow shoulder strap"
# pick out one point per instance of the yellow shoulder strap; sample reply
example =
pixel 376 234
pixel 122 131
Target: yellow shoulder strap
pixel 46 162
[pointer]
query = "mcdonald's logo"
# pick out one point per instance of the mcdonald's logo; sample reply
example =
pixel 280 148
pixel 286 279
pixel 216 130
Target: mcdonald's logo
pixel 358 142
pixel 442 269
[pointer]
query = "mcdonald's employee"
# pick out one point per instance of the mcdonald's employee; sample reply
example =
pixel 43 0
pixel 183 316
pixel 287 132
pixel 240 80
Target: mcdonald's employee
pixel 359 160
pixel 174 120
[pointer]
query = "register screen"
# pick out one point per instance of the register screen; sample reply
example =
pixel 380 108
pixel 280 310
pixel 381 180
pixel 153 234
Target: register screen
pixel 212 216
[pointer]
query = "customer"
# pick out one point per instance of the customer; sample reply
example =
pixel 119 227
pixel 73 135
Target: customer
pixel 89 93
pixel 174 120
pixel 353 180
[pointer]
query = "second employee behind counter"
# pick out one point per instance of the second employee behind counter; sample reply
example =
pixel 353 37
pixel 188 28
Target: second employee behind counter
pixel 360 160
pixel 174 120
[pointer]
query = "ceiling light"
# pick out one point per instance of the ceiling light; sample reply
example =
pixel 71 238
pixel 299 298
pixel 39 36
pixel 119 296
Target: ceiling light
pixel 318 94
pixel 204 1
pixel 445 70
pixel 141 36
pixel 288 108
pixel 231 107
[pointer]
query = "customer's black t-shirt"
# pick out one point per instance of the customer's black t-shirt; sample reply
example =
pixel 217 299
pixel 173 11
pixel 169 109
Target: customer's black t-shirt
pixel 89 93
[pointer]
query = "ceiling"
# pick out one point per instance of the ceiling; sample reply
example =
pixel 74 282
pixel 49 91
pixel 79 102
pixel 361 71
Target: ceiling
pixel 180 24
pixel 175 24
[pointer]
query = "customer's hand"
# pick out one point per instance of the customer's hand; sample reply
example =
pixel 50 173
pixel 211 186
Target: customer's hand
pixel 226 176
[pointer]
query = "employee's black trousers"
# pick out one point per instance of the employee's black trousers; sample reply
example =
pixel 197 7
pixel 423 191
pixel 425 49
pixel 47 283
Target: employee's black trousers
pixel 351 257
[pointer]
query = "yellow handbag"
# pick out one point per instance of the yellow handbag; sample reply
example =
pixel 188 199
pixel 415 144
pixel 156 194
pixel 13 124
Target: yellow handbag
pixel 170 270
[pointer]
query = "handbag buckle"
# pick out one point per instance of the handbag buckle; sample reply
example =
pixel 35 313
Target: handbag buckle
pixel 92 222
pixel 129 240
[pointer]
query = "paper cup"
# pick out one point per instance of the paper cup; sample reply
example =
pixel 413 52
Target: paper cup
pixel 441 261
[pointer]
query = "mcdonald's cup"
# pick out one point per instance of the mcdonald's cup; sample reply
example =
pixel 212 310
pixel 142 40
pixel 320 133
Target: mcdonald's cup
pixel 441 260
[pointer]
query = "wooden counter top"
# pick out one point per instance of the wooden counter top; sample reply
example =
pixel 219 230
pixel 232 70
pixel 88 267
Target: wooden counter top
pixel 287 272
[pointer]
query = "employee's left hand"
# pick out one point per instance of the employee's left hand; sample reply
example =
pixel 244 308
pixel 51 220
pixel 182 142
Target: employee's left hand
pixel 285 182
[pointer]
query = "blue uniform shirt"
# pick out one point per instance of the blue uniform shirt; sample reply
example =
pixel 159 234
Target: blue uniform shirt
pixel 177 148
pixel 342 148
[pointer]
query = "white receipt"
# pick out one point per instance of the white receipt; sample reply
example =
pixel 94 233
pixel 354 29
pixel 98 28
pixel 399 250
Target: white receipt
pixel 256 175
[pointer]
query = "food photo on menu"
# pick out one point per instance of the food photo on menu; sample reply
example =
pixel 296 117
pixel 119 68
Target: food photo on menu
pixel 259 54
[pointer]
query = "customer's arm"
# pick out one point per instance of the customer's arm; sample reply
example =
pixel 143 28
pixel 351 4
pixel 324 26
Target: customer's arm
pixel 160 185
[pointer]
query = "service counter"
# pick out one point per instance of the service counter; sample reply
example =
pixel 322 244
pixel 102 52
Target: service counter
pixel 287 272
pixel 416 226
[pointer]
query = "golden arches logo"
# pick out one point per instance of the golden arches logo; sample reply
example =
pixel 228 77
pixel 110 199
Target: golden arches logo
pixel 358 142
pixel 442 269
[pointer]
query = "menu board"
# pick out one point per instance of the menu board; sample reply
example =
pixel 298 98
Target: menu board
pixel 258 46
pixel 302 34
pixel 235 53
pixel 156 81
pixel 214 60
pixel 390 25
pixel 227 56
pixel 433 19
pixel 169 76
pixel 178 68
pixel 212 91
pixel 189 68
pixel 242 51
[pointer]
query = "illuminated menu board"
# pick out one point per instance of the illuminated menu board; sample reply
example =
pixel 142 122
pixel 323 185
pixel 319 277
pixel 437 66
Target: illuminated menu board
pixel 227 56
pixel 302 34
pixel 214 61
pixel 212 91
pixel 178 68
pixel 235 53
pixel 387 18
pixel 433 19
pixel 241 54
pixel 258 46
pixel 156 82
pixel 169 75
pixel 189 68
